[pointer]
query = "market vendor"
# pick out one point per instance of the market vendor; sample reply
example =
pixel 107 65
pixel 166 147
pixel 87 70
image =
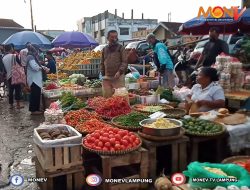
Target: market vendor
pixel 51 63
pixel 113 65
pixel 207 94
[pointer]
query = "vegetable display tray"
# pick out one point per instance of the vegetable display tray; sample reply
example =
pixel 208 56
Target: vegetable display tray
pixel 130 128
pixel 164 107
pixel 207 134
pixel 113 153
pixel 162 132
pixel 235 159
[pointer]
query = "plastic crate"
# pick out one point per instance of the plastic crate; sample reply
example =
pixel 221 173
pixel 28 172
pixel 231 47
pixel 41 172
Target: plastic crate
pixel 151 99
pixel 52 93
pixel 89 70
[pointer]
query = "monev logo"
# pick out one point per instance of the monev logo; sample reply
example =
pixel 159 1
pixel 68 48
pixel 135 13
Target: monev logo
pixel 221 12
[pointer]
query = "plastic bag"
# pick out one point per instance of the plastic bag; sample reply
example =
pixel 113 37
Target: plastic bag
pixel 196 171
pixel 75 139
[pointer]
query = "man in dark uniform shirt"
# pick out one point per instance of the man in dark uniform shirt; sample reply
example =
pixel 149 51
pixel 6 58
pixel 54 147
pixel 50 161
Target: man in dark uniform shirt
pixel 212 49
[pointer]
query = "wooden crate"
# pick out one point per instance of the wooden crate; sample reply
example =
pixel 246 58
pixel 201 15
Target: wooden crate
pixel 67 179
pixel 178 154
pixel 118 166
pixel 53 159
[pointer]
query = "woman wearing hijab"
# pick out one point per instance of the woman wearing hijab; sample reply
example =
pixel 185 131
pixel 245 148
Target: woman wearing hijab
pixel 34 80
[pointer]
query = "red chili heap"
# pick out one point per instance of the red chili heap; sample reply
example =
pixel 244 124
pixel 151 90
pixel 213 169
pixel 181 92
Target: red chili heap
pixel 113 107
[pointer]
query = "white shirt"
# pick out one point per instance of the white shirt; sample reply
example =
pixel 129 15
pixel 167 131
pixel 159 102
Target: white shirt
pixel 23 56
pixel 34 74
pixel 211 93
pixel 8 61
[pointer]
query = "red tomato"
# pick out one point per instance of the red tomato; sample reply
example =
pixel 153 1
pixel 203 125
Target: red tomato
pixel 129 146
pixel 117 137
pixel 96 135
pixel 112 149
pixel 105 135
pixel 98 148
pixel 107 144
pixel 131 133
pixel 137 141
pixel 115 130
pixel 96 142
pixel 105 139
pixel 126 138
pixel 111 136
pixel 123 147
pixel 112 141
pixel 100 144
pixel 117 147
pixel 121 133
pixel 111 132
pixel 105 149
pixel 117 142
pixel 92 139
pixel 131 140
pixel 124 142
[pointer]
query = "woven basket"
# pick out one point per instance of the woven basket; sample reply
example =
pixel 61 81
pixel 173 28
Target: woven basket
pixel 114 153
pixel 129 128
pixel 207 135
pixel 164 107
pixel 175 113
pixel 235 159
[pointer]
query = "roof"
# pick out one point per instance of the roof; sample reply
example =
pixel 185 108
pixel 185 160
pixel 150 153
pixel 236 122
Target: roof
pixel 170 26
pixel 9 23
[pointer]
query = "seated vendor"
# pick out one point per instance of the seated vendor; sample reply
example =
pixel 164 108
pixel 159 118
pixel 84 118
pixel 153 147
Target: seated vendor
pixel 207 94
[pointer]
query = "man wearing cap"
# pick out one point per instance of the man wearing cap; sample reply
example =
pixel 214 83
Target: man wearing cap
pixel 162 60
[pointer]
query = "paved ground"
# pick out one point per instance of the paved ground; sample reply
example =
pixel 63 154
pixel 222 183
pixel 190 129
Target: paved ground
pixel 16 150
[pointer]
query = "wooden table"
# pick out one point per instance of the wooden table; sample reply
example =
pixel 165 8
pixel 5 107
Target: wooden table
pixel 236 99
pixel 179 154
pixel 194 146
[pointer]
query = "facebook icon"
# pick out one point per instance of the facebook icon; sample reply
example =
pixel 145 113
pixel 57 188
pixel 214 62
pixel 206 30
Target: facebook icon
pixel 16 180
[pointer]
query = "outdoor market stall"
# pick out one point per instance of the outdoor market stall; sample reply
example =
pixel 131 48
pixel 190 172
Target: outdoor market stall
pixel 139 130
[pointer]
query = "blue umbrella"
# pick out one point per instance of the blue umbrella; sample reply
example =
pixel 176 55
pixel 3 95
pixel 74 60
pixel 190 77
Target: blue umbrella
pixel 201 25
pixel 19 40
pixel 74 40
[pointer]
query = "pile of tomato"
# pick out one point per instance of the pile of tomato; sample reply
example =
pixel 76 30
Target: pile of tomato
pixel 111 139
pixel 95 102
pixel 113 107
pixel 73 118
pixel 245 164
pixel 91 126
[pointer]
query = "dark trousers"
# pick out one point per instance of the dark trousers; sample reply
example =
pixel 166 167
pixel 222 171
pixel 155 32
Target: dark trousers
pixel 35 95
pixel 17 88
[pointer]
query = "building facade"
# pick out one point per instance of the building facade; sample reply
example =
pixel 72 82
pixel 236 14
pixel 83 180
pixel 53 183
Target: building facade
pixel 98 26
pixel 52 33
pixel 9 27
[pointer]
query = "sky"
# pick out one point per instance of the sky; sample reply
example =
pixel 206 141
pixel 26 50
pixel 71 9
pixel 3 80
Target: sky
pixel 63 14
